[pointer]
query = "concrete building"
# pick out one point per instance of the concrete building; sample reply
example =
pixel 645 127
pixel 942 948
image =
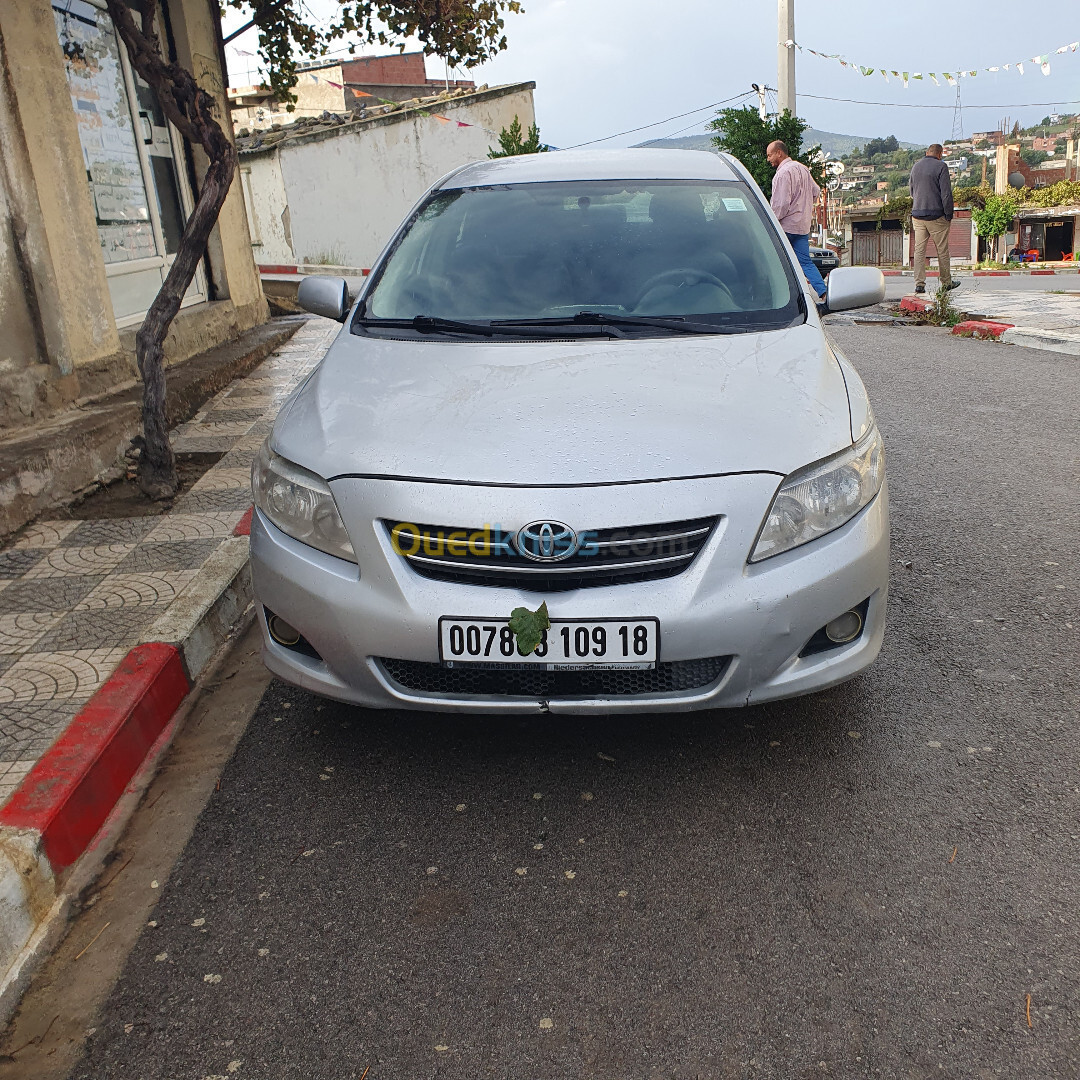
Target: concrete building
pixel 332 191
pixel 397 77
pixel 319 88
pixel 95 187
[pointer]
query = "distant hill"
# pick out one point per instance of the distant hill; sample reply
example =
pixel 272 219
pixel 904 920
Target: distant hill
pixel 831 143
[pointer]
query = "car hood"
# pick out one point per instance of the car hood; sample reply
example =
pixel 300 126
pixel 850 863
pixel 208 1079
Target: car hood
pixel 568 412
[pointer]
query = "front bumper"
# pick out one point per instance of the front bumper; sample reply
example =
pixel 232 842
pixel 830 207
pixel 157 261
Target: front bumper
pixel 760 616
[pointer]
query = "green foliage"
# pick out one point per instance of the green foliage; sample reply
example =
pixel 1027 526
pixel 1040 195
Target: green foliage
pixel 899 206
pixel 942 311
pixel 1031 158
pixel 512 144
pixel 744 135
pixel 995 216
pixel 973 195
pixel 464 32
pixel 880 146
pixel 529 626
pixel 1063 193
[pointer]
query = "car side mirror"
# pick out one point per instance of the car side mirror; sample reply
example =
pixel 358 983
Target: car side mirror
pixel 854 287
pixel 326 296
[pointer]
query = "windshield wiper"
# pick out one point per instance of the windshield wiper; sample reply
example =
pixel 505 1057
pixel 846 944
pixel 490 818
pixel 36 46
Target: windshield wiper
pixel 433 324
pixel 428 324
pixel 600 318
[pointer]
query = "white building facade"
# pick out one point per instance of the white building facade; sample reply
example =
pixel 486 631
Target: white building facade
pixel 332 193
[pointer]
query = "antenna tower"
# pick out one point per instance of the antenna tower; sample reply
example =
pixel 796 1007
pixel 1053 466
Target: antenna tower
pixel 958 116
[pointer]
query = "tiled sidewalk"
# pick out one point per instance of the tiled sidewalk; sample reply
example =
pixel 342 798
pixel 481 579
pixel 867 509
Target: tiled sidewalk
pixel 75 596
pixel 1049 311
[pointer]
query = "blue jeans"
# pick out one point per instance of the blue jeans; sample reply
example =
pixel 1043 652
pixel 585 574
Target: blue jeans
pixel 801 246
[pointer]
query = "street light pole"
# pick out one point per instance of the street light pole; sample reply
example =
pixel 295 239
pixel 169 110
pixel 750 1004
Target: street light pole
pixel 785 56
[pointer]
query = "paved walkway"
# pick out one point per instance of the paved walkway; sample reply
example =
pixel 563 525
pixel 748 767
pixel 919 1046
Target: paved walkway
pixel 75 596
pixel 1046 311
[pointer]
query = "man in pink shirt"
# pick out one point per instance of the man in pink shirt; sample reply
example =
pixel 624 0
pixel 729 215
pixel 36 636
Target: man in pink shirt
pixel 793 196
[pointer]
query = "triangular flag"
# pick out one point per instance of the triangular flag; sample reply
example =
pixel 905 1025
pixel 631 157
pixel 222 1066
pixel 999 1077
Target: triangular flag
pixel 1020 66
pixel 884 74
pixel 1074 46
pixel 948 78
pixel 441 119
pixel 460 124
pixel 917 75
pixel 934 77
pixel 1045 68
pixel 991 69
pixel 315 78
pixel 895 74
pixel 361 93
pixel 336 84
pixel 905 80
pixel 866 71
pixel 1064 48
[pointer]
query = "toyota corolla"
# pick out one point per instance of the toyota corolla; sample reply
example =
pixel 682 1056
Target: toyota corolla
pixel 582 446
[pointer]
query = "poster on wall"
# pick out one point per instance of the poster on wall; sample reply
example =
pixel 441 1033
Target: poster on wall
pixel 99 97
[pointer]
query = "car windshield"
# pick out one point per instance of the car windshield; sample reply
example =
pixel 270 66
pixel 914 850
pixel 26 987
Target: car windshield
pixel 627 256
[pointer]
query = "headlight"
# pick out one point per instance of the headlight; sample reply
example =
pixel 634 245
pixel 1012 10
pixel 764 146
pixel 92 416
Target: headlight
pixel 821 497
pixel 299 503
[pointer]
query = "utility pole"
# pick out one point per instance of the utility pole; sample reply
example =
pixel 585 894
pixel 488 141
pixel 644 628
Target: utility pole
pixel 785 56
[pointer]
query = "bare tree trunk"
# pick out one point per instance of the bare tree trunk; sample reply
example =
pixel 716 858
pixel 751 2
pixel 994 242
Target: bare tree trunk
pixel 191 110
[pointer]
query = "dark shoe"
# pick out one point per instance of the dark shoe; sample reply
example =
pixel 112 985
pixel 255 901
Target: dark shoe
pixel 920 288
pixel 955 284
pixel 822 309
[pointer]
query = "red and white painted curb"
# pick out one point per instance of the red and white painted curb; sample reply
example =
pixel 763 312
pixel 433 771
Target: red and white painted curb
pixel 72 805
pixel 986 273
pixel 304 269
pixel 68 794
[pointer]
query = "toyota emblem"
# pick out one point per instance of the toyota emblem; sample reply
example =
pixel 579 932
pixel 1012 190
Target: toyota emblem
pixel 546 541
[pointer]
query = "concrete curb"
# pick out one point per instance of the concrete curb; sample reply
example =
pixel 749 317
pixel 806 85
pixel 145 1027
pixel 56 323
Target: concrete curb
pixel 67 813
pixel 985 273
pixel 981 328
pixel 1030 337
pixel 1062 341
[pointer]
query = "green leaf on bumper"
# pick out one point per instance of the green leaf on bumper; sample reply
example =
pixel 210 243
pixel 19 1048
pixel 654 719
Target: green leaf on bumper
pixel 529 626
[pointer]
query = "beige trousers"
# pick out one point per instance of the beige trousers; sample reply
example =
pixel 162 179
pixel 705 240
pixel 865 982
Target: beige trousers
pixel 938 231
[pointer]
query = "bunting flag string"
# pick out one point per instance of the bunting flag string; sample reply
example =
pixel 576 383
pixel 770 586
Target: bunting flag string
pixel 422 112
pixel 950 77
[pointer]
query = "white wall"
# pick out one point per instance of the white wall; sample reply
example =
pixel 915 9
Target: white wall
pixel 347 191
pixel 268 212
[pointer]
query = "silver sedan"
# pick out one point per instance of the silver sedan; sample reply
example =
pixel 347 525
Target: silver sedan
pixel 582 446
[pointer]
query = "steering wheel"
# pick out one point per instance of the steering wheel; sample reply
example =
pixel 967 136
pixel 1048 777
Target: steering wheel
pixel 689 276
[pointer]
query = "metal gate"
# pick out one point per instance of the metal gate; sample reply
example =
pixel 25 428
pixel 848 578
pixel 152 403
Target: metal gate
pixel 878 247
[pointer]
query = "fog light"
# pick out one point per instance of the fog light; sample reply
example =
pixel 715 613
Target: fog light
pixel 843 628
pixel 287 635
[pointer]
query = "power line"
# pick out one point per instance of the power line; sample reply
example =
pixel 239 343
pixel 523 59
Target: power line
pixel 644 127
pixel 906 105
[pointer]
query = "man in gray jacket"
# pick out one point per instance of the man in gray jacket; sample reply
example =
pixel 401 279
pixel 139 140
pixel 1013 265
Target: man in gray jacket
pixel 931 215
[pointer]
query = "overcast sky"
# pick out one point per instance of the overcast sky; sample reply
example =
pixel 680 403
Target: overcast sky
pixel 604 66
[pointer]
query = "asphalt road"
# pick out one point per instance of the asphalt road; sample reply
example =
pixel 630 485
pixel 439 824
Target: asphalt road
pixel 865 883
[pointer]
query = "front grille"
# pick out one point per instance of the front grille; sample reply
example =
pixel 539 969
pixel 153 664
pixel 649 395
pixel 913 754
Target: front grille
pixel 606 556
pixel 665 678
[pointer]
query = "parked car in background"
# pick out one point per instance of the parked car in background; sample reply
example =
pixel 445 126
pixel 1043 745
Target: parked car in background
pixel 824 259
pixel 593 381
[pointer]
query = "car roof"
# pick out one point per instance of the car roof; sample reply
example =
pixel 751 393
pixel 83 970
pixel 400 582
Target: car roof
pixel 637 164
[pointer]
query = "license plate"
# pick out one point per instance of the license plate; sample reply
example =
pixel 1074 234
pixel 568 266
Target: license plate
pixel 568 645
